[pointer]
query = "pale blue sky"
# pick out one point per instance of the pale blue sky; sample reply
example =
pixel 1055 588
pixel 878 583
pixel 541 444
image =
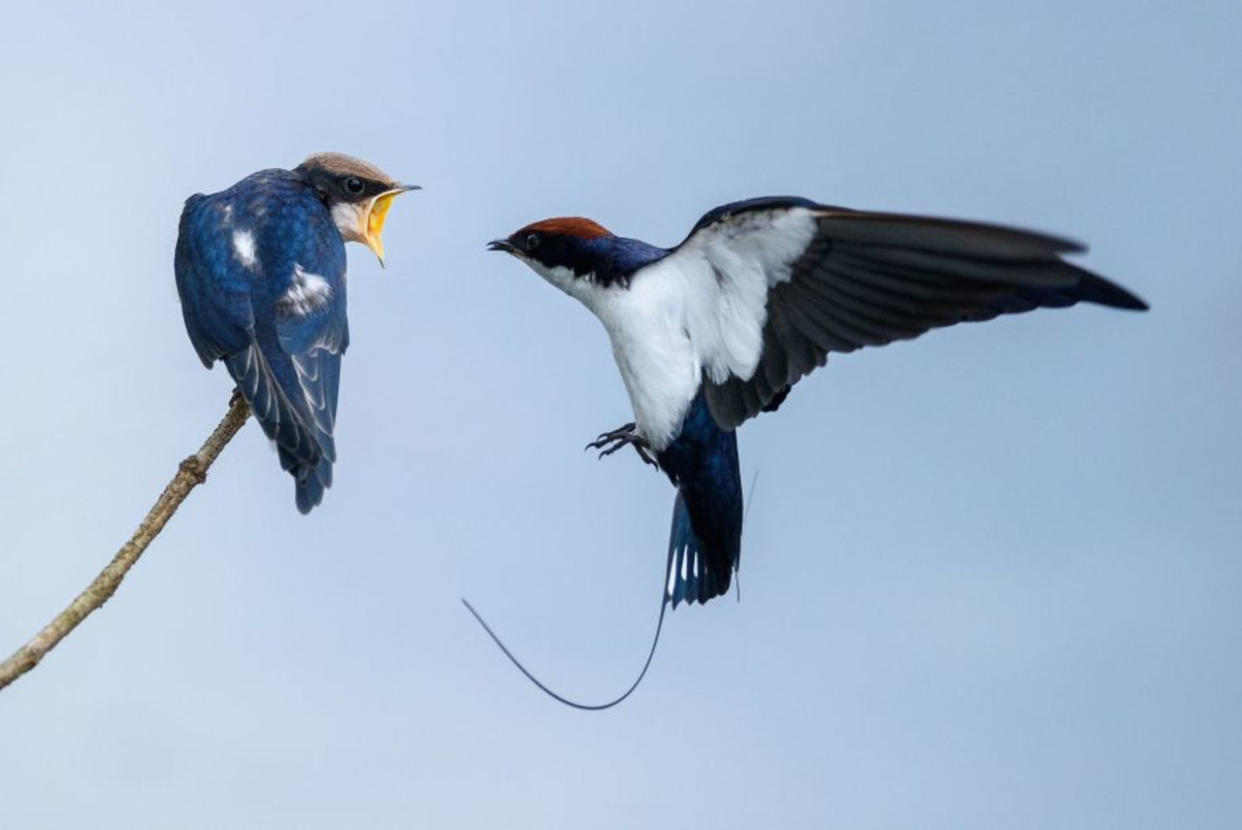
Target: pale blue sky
pixel 990 579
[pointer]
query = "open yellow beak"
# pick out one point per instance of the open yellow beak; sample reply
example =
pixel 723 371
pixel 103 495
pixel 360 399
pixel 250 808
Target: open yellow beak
pixel 374 229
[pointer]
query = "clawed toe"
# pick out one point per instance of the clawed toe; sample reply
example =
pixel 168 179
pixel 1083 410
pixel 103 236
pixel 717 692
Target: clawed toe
pixel 619 436
pixel 616 445
pixel 609 442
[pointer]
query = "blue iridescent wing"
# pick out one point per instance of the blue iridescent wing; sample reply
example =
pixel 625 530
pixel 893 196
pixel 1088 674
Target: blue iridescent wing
pixel 313 332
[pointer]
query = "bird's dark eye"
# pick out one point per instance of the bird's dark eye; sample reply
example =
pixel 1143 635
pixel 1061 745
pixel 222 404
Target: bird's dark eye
pixel 532 241
pixel 354 186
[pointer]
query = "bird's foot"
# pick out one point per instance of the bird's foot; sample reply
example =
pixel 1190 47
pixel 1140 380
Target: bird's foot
pixel 609 442
pixel 620 436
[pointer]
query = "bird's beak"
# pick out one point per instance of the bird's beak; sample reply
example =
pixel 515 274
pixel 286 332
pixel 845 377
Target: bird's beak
pixel 375 216
pixel 500 245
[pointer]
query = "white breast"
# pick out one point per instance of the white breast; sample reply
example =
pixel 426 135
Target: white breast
pixel 646 324
pixel 700 309
pixel 653 350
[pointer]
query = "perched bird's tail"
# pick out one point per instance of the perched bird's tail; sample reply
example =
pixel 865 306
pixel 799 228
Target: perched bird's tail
pixel 309 481
pixel 305 447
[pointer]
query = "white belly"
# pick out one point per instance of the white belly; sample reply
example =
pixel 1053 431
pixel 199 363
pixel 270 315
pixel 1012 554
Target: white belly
pixel 646 322
pixel 656 357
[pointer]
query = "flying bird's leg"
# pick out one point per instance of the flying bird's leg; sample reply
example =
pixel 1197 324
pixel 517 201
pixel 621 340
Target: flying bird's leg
pixel 644 453
pixel 609 442
pixel 618 434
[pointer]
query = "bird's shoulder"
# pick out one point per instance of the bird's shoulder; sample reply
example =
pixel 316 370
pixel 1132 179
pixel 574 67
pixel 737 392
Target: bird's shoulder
pixel 623 257
pixel 274 198
pixel 766 225
pixel 263 198
pixel 269 221
pixel 760 204
pixel 769 227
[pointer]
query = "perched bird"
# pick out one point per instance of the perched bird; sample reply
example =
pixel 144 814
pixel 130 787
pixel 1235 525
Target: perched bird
pixel 719 328
pixel 261 274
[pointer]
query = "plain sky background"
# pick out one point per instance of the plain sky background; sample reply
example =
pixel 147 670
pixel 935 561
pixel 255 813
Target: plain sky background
pixel 990 579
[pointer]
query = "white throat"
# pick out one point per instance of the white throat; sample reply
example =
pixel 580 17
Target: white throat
pixel 349 218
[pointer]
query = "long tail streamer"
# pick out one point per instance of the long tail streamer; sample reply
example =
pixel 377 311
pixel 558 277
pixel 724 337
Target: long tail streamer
pixel 655 640
pixel 590 707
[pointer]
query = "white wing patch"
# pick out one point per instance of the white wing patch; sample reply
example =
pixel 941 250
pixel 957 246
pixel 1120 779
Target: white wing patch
pixel 308 293
pixel 745 256
pixel 243 246
pixel 702 308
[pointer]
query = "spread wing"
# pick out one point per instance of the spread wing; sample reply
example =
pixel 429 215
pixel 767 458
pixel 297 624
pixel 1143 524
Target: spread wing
pixel 778 283
pixel 273 310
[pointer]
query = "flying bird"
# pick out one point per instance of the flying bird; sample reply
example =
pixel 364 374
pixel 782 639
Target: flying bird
pixel 261 275
pixel 719 328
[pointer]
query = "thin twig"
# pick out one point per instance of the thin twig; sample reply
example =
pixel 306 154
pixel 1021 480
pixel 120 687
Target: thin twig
pixel 193 471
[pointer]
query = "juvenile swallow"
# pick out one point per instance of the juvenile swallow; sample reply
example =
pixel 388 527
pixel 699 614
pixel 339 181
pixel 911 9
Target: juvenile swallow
pixel 714 331
pixel 261 275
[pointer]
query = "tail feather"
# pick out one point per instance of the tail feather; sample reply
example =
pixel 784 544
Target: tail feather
pixel 683 547
pixel 309 482
pixel 306 450
pixel 698 571
pixel 705 541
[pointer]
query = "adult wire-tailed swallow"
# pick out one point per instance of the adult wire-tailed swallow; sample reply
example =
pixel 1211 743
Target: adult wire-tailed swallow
pixel 261 274
pixel 718 329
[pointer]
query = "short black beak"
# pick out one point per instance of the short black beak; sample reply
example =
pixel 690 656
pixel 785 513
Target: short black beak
pixel 500 245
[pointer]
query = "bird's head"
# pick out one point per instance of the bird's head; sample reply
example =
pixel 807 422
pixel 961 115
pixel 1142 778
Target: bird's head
pixel 358 195
pixel 572 253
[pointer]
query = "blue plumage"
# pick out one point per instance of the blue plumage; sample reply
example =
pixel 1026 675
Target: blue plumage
pixel 705 540
pixel 261 274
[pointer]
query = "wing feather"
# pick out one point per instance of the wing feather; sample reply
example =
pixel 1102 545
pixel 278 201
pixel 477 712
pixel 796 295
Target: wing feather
pixel 792 281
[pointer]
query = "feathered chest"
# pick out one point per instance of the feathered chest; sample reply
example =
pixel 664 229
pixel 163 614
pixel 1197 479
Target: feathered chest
pixel 646 324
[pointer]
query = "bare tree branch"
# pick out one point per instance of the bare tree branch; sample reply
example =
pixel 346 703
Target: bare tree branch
pixel 193 471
